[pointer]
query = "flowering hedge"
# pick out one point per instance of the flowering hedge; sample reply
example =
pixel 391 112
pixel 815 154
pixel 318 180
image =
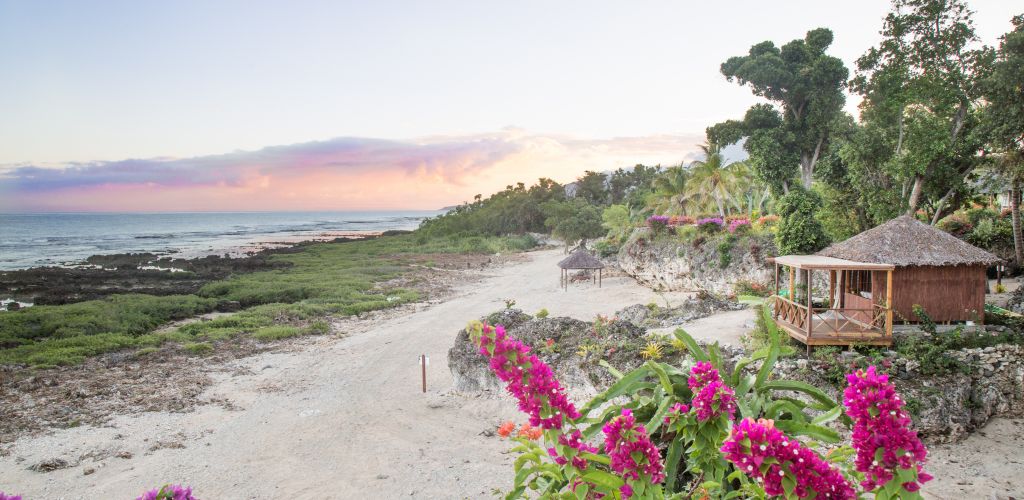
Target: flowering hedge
pixel 658 222
pixel 710 224
pixel 740 225
pixel 739 438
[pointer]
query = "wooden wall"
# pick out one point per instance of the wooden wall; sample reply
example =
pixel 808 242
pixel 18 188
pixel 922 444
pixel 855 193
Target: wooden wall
pixel 950 293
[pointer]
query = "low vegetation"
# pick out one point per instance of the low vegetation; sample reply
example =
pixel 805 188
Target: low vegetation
pixel 315 282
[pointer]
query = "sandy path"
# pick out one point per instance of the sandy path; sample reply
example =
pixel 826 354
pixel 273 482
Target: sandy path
pixel 343 417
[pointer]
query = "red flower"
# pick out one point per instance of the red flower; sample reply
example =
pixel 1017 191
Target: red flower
pixel 505 429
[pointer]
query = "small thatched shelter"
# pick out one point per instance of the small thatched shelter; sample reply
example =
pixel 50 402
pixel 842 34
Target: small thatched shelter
pixel 581 259
pixel 940 272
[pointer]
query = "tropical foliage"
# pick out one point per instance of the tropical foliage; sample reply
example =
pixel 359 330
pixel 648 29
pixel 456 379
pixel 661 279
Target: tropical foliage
pixel 697 431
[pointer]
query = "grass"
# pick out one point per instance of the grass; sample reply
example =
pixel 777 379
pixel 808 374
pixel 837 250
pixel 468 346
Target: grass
pixel 324 279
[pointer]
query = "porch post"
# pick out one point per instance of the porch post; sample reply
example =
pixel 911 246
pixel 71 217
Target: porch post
pixel 888 303
pixel 810 307
pixel 831 287
pixel 776 278
pixel 792 280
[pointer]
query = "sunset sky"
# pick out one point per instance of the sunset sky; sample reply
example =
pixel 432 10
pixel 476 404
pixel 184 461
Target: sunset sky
pixel 181 106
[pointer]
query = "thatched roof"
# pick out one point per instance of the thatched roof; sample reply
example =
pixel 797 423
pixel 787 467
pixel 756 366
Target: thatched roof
pixel 906 241
pixel 580 259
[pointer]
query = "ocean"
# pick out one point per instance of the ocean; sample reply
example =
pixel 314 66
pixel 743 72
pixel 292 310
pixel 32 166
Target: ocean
pixel 31 240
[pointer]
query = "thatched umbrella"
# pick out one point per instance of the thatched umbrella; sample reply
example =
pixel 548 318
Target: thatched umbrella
pixel 580 259
pixel 906 241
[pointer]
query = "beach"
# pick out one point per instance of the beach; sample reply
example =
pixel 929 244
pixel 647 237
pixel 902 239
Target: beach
pixel 343 415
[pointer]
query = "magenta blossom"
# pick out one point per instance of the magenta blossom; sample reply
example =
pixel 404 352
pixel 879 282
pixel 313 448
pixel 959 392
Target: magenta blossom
pixel 675 412
pixel 574 441
pixel 766 454
pixel 633 455
pixel 881 424
pixel 739 225
pixel 711 397
pixel 527 378
pixel 4 496
pixel 169 492
pixel 710 220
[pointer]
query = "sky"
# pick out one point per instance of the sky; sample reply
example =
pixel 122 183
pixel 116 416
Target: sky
pixel 302 105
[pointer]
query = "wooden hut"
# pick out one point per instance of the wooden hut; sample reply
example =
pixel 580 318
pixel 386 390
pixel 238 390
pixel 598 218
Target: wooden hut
pixel 934 269
pixel 875 278
pixel 581 259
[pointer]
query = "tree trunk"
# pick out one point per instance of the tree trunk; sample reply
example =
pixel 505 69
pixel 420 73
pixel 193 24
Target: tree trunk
pixel 1018 245
pixel 915 195
pixel 940 205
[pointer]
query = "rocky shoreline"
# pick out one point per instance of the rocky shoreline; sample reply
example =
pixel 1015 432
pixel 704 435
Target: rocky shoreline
pixel 100 276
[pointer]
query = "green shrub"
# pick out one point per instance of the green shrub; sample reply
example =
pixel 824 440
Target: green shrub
pixel 541 314
pixel 724 249
pixel 199 348
pixel 269 333
pixel 799 231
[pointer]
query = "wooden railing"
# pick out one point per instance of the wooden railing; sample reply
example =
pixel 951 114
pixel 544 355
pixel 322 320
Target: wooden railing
pixel 791 312
pixel 841 321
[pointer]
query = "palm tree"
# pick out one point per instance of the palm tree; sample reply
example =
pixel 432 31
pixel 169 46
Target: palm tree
pixel 749 194
pixel 669 196
pixel 712 181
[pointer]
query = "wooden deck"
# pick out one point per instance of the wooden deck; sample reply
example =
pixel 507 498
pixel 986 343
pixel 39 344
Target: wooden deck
pixel 832 326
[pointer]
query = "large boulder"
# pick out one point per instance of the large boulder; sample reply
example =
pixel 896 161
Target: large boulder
pixel 571 347
pixel 701 305
pixel 667 262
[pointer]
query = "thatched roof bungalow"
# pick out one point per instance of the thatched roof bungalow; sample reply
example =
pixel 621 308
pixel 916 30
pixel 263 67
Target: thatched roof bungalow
pixel 581 259
pixel 940 272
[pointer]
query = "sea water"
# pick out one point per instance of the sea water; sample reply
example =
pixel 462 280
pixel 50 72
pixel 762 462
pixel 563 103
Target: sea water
pixel 30 240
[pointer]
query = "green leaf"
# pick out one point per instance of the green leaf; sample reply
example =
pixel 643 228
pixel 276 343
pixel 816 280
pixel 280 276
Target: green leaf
pixel 611 369
pixel 605 479
pixel 628 384
pixel 818 432
pixel 675 452
pixel 766 367
pixel 659 416
pixel 828 416
pixel 691 345
pixel 796 386
pixel 662 375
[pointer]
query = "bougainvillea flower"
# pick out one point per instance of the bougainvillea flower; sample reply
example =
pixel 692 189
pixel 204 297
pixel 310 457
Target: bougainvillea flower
pixel 882 435
pixel 633 455
pixel 781 463
pixel 711 397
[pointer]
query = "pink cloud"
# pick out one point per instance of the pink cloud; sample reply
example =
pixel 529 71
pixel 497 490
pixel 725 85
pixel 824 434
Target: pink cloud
pixel 343 173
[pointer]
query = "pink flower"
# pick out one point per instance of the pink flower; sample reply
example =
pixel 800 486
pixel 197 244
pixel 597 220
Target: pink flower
pixel 4 496
pixel 711 397
pixel 527 378
pixel 880 423
pixel 675 412
pixel 633 455
pixel 575 445
pixel 766 454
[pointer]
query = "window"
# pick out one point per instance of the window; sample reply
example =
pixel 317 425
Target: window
pixel 859 283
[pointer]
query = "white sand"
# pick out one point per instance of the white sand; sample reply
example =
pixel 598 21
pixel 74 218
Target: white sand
pixel 343 417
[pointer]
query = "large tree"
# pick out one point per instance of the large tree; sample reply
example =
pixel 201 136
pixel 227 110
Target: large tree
pixel 785 139
pixel 1004 119
pixel 921 85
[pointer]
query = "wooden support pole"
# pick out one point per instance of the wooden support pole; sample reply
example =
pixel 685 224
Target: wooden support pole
pixel 888 303
pixel 423 363
pixel 831 287
pixel 792 284
pixel 810 308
